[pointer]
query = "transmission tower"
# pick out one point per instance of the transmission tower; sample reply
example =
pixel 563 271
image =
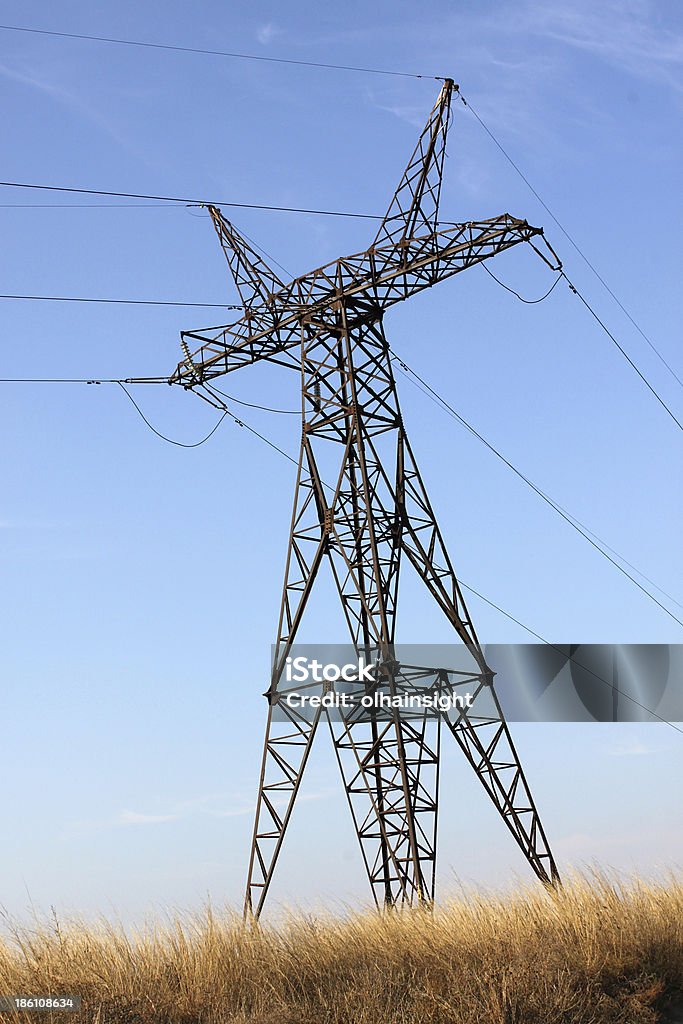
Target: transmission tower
pixel 361 507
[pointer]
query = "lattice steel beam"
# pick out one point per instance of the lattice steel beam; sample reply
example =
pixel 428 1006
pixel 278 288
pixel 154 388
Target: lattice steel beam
pixel 361 508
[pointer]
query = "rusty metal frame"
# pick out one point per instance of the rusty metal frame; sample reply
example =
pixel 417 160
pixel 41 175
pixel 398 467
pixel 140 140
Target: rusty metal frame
pixel 361 507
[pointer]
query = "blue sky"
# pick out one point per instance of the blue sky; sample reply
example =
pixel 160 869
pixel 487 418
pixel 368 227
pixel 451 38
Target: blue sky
pixel 142 580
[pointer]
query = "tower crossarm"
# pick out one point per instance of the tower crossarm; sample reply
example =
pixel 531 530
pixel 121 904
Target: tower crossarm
pixel 418 263
pixel 384 274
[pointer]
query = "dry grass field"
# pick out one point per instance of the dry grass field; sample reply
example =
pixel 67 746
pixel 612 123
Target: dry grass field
pixel 598 951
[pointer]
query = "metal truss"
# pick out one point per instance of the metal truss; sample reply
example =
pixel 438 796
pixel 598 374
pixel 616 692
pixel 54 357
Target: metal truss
pixel 361 507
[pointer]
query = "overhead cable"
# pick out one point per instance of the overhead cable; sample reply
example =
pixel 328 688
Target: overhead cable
pixel 574 523
pixel 570 239
pixel 217 53
pixel 180 201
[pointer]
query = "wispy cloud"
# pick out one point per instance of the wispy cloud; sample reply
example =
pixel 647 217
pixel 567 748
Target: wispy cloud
pixel 10 524
pixel 626 33
pixel 517 64
pixel 213 805
pixel 578 844
pixel 24 74
pixel 414 114
pixel 265 34
pixel 629 748
pixel 135 818
pixel 621 842
pixel 238 812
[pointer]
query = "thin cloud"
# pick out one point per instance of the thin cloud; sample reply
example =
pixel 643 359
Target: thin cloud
pixel 412 113
pixel 265 34
pixel 72 101
pixel 629 748
pixel 9 524
pixel 578 844
pixel 280 802
pixel 624 34
pixel 135 818
pixel 212 805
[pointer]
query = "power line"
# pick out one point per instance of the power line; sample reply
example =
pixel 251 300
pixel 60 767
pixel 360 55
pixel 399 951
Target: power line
pixel 294 209
pixel 574 523
pixel 379 71
pixel 264 252
pixel 53 380
pixel 170 440
pixel 577 525
pixel 596 675
pixel 92 206
pixel 252 430
pixel 181 201
pixel 83 380
pixel 218 53
pixel 441 402
pixel 120 302
pixel 233 306
pixel 142 380
pixel 609 334
pixel 339 67
pixel 254 405
pixel 600 545
pixel 570 239
pixel 529 302
pixel 624 353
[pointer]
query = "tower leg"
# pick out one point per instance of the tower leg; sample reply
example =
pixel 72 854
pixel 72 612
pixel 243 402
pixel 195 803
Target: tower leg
pixel 390 772
pixel 285 753
pixel 482 734
pixel 484 738
pixel 289 732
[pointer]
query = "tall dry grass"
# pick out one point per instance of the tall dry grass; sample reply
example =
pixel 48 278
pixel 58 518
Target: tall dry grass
pixel 598 951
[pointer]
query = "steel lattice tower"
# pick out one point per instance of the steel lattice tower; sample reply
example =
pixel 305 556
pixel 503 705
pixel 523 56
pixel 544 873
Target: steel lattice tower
pixel 361 507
